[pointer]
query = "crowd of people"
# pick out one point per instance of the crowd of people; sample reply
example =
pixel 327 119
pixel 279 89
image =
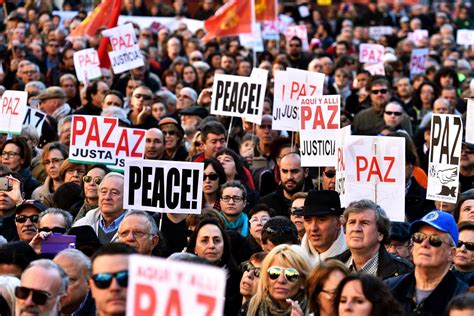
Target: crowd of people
pixel 275 227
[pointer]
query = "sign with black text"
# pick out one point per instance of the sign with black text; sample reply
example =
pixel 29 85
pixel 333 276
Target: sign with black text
pixel 34 118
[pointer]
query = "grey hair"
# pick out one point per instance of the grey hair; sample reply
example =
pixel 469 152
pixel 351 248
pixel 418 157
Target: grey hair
pixel 64 120
pixel 235 184
pixel 48 265
pixel 151 221
pixel 30 132
pixel 53 210
pixel 79 258
pixel 37 84
pixel 110 175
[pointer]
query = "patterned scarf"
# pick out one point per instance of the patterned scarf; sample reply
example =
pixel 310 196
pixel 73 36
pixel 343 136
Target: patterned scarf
pixel 269 307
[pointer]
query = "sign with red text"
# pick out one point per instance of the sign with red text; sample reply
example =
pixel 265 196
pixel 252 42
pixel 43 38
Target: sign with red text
pixel 87 65
pixel 270 30
pixel 289 87
pixel 125 54
pixel 163 287
pixel 319 127
pixel 299 31
pixel 34 118
pixel 371 53
pixel 465 37
pixel 419 37
pixel 376 32
pixel 12 111
pixel 131 145
pixel 419 56
pixel 377 69
pixel 375 170
pixel 240 96
pixel 341 139
pixel 470 121
pixel 445 158
pixel 163 186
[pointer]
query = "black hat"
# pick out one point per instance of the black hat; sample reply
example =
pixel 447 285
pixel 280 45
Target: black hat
pixel 467 144
pixel 399 231
pixel 31 203
pixel 195 110
pixel 320 203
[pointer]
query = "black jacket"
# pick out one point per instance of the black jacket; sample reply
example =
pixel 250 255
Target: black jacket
pixel 404 290
pixel 388 266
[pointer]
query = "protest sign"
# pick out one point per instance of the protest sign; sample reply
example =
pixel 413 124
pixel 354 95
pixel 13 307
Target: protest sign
pixel 253 40
pixel 376 32
pixel 239 96
pixel 465 37
pixel 13 111
pixel 131 145
pixel 319 127
pixel 418 60
pixel 371 53
pixel 34 118
pixel 289 87
pixel 125 54
pixel 419 37
pixel 163 186
pixel 161 287
pixel 284 21
pixel 470 121
pixel 445 158
pixel 341 138
pixel 375 170
pixel 87 64
pixel 299 31
pixel 270 30
pixel 375 69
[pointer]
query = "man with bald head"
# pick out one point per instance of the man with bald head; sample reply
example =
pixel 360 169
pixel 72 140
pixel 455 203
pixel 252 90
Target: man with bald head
pixel 154 141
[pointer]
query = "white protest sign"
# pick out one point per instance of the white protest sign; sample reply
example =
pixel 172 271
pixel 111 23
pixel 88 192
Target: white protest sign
pixel 376 32
pixel 34 118
pixel 131 145
pixel 253 40
pixel 126 54
pixel 470 121
pixel 239 96
pixel 341 138
pixel 289 87
pixel 419 56
pixel 375 170
pixel 319 127
pixel 87 64
pixel 465 37
pixel 419 37
pixel 299 31
pixel 161 287
pixel 284 21
pixel 375 69
pixel 163 186
pixel 13 111
pixel 445 157
pixel 270 30
pixel 371 53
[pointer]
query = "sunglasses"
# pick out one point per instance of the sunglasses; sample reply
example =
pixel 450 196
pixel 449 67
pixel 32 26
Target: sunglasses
pixel 142 96
pixel 23 218
pixel 279 230
pixel 88 179
pixel 383 91
pixel 393 113
pixel 211 176
pixel 103 280
pixel 330 174
pixel 247 266
pixel 469 245
pixel 171 133
pixel 38 297
pixel 55 229
pixel 291 274
pixel 298 211
pixel 434 240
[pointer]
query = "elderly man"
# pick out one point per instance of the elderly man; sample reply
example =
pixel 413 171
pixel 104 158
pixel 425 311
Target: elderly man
pixel 191 118
pixel 106 219
pixel 428 289
pixel 55 220
pixel 186 98
pixel 367 227
pixel 138 230
pixel 42 290
pixel 154 144
pixel 26 219
pixel 52 101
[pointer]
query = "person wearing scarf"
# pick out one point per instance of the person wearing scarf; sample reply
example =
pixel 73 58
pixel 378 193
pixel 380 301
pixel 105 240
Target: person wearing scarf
pixel 233 201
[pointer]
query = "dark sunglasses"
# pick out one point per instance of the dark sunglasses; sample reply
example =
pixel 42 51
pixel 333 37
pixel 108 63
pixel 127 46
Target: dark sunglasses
pixel 330 174
pixel 298 211
pixel 383 91
pixel 103 280
pixel 142 96
pixel 434 240
pixel 171 133
pixel 247 266
pixel 393 113
pixel 38 297
pixel 212 176
pixel 87 179
pixel 291 274
pixel 55 229
pixel 279 230
pixel 23 218
pixel 469 245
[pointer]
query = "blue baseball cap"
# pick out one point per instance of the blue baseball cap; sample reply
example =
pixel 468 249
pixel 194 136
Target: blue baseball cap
pixel 442 221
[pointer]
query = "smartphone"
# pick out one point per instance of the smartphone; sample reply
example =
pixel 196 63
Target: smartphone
pixel 5 184
pixel 54 243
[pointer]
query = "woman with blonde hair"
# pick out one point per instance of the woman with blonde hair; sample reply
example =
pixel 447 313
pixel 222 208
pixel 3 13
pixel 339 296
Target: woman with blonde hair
pixel 282 286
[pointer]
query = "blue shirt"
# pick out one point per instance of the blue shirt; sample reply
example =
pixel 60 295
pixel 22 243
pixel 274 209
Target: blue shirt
pixel 113 226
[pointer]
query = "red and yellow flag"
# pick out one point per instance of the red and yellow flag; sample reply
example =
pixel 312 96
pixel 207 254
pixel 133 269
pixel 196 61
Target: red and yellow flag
pixel 233 18
pixel 266 10
pixel 104 15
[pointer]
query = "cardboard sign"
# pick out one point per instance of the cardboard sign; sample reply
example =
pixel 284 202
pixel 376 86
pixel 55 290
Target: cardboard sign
pixel 319 127
pixel 289 87
pixel 371 53
pixel 299 31
pixel 161 287
pixel 239 96
pixel 126 54
pixel 131 145
pixel 470 121
pixel 12 111
pixel 375 170
pixel 87 64
pixel 419 37
pixel 341 139
pixel 418 60
pixel 163 186
pixel 375 69
pixel 34 118
pixel 376 32
pixel 465 37
pixel 445 158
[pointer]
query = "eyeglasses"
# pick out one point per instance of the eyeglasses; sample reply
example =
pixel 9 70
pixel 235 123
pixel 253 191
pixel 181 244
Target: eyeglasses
pixel 262 220
pixel 331 293
pixel 227 198
pixel 330 174
pixel 55 229
pixel 211 176
pixel 39 297
pixel 23 218
pixel 469 245
pixel 296 211
pixel 142 96
pixel 393 113
pixel 103 280
pixel 53 161
pixel 383 91
pixel 9 154
pixel 247 266
pixel 171 132
pixel 434 240
pixel 88 179
pixel 136 234
pixel 73 170
pixel 291 274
